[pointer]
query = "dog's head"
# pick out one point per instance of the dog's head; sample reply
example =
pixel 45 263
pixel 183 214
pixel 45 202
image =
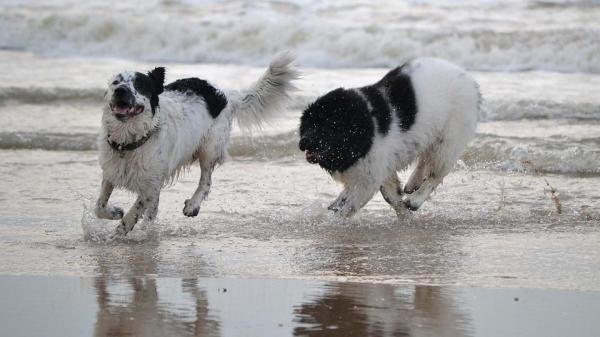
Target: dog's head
pixel 335 131
pixel 132 94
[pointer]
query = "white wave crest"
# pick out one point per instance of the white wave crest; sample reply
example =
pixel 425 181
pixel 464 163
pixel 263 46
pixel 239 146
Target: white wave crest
pixel 322 35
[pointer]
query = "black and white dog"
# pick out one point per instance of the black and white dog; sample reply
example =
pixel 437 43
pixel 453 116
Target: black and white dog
pixel 426 110
pixel 151 132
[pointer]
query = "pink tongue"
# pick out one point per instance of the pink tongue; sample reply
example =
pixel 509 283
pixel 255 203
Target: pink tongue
pixel 121 110
pixel 131 111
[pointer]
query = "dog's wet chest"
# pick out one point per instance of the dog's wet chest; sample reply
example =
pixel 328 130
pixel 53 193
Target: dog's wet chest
pixel 131 171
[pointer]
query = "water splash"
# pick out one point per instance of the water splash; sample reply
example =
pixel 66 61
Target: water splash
pixel 103 231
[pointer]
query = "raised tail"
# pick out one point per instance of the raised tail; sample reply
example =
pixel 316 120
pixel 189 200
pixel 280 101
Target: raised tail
pixel 268 95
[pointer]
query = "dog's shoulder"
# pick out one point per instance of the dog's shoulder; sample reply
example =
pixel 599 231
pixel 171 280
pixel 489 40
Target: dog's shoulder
pixel 398 86
pixel 378 106
pixel 215 99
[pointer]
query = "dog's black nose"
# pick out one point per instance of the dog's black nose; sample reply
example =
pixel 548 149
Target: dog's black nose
pixel 121 92
pixel 305 144
pixel 123 97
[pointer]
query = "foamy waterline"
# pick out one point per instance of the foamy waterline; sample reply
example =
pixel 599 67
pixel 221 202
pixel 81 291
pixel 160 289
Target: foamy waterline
pixel 486 151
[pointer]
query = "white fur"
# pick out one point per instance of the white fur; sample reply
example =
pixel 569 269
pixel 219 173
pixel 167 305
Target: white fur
pixel 186 133
pixel 448 103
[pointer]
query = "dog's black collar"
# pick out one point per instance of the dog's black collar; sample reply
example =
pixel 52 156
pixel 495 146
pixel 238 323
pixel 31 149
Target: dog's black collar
pixel 131 146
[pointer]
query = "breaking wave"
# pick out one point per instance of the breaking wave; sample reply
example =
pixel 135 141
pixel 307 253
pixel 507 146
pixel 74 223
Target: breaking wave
pixel 331 34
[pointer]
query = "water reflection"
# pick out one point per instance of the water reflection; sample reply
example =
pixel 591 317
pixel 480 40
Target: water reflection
pixel 133 301
pixel 141 305
pixel 340 313
pixel 194 307
pixel 150 306
pixel 395 251
pixel 356 309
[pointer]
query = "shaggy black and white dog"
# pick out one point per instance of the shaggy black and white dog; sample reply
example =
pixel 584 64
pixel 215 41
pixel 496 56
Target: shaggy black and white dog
pixel 150 132
pixel 426 110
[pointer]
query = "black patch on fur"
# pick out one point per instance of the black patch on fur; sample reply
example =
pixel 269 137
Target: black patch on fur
pixel 150 85
pixel 215 100
pixel 339 127
pixel 401 96
pixel 380 108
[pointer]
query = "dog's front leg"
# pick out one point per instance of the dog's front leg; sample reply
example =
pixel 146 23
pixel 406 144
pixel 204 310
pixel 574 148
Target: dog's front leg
pixel 338 203
pixel 152 207
pixel 103 210
pixel 145 202
pixel 353 198
pixel 132 217
pixel 192 205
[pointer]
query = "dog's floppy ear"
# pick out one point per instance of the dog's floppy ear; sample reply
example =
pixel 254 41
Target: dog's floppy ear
pixel 158 75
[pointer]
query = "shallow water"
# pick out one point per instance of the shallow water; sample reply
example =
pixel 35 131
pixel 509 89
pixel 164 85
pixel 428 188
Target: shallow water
pixel 541 121
pixel 155 306
pixel 492 223
pixel 481 228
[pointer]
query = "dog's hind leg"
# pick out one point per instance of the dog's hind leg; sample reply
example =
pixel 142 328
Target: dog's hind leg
pixel 418 176
pixel 192 205
pixel 440 159
pixel 391 190
pixel 103 210
pixel 414 200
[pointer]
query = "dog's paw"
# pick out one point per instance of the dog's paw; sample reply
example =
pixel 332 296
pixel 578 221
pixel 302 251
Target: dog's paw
pixel 110 213
pixel 191 209
pixel 410 204
pixel 409 190
pixel 116 213
pixel 120 232
pixel 344 211
pixel 333 208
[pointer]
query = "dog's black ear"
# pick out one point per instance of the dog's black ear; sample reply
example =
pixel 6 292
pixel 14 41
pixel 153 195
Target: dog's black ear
pixel 158 75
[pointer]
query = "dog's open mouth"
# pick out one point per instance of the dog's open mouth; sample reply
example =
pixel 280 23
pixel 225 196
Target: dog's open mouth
pixel 125 111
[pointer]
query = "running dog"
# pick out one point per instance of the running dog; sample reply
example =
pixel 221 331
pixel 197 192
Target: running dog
pixel 425 111
pixel 151 131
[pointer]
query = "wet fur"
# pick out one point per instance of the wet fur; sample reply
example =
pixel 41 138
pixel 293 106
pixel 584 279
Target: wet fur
pixel 424 111
pixel 191 121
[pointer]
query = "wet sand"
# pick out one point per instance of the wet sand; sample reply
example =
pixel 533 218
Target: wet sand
pixel 481 228
pixel 154 306
pixel 455 268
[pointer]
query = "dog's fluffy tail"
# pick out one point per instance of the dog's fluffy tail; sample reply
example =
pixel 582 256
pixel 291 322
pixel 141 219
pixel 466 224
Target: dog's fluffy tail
pixel 268 95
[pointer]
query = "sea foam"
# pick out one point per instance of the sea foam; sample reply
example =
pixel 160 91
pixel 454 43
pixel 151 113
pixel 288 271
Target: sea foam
pixel 507 37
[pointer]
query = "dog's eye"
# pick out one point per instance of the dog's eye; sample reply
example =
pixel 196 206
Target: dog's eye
pixel 115 82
